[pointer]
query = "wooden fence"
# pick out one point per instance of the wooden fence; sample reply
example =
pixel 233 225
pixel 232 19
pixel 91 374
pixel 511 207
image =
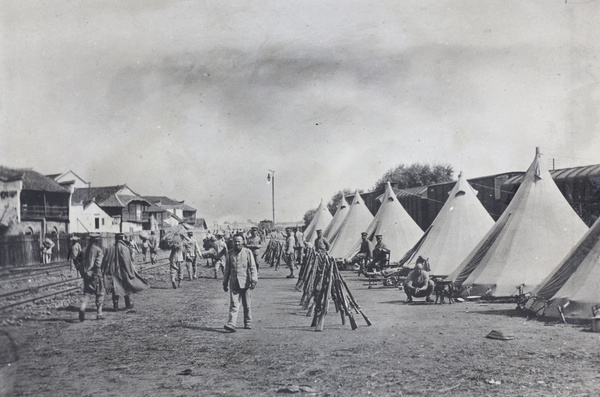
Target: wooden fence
pixel 24 249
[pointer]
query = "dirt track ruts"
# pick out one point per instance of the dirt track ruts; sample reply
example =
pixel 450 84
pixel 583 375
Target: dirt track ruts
pixel 410 349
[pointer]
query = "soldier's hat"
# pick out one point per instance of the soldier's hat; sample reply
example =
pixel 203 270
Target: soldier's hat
pixel 94 236
pixel 119 236
pixel 319 230
pixel 254 228
pixel 364 234
pixel 379 235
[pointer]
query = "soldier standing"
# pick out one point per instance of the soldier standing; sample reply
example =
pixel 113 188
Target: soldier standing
pixel 288 252
pixel 254 244
pixel 192 252
pixel 75 253
pixel 153 246
pixel 91 272
pixel 239 278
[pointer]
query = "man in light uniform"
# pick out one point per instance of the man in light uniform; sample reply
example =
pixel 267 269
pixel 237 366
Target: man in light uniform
pixel 240 276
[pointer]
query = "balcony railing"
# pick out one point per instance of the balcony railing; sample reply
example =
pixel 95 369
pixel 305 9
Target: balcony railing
pixel 145 217
pixel 39 211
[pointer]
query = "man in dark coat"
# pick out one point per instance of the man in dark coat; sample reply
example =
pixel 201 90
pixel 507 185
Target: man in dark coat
pixel 119 273
pixel 91 272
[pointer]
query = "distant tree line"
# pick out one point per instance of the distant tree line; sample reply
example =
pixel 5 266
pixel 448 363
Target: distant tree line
pixel 404 176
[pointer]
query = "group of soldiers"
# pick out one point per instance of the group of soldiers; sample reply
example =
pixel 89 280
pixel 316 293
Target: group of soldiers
pixel 106 270
pixel 215 247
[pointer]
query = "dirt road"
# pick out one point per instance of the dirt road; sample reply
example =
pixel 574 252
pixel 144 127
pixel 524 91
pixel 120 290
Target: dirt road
pixel 409 350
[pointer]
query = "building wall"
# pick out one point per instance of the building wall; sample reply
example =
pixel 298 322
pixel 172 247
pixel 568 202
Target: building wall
pixel 131 227
pixel 10 193
pixel 92 219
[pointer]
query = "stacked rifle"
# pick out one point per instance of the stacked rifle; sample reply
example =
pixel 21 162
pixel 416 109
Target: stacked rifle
pixel 320 280
pixel 273 253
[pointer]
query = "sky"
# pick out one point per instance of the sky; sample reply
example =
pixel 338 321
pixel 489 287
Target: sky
pixel 198 100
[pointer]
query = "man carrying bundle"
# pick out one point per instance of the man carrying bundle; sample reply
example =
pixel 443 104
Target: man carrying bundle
pixel 418 284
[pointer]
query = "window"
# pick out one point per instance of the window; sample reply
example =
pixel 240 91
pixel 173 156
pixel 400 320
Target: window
pixel 97 223
pixel 102 221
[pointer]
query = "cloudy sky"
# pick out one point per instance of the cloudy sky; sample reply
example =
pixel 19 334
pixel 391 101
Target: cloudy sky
pixel 197 100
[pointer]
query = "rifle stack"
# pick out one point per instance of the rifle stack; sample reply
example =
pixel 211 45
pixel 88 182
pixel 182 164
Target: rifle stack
pixel 320 280
pixel 273 252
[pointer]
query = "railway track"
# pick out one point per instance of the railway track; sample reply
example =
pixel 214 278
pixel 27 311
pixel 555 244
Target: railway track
pixel 28 291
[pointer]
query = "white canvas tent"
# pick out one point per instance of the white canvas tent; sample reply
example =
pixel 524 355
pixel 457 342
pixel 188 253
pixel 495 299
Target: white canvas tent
pixel 573 287
pixel 357 221
pixel 333 228
pixel 537 228
pixel 319 222
pixel 400 232
pixel 459 226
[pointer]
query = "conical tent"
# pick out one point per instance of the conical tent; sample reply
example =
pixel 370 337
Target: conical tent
pixel 334 226
pixel 460 225
pixel 400 232
pixel 520 250
pixel 573 286
pixel 319 222
pixel 357 221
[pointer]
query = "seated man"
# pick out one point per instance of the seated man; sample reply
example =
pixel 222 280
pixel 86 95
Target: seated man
pixel 418 284
pixel 364 254
pixel 380 253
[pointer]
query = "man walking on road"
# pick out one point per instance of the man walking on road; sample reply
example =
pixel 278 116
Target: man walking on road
pixel 220 254
pixel 192 252
pixel 153 246
pixel 91 272
pixel 240 277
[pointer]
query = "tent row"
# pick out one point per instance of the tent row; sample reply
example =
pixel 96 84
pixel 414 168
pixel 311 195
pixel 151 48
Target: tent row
pixel 515 256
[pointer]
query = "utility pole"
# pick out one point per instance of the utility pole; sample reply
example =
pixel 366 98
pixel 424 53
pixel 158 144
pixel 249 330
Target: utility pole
pixel 271 180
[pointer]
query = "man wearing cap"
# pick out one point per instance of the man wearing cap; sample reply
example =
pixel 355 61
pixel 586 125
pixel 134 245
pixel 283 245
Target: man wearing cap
pixel 75 253
pixel 321 243
pixel 91 272
pixel 240 276
pixel 176 261
pixel 418 284
pixel 120 275
pixel 191 252
pixel 299 244
pixel 220 254
pixel 380 253
pixel 153 246
pixel 253 243
pixel 288 252
pixel 365 253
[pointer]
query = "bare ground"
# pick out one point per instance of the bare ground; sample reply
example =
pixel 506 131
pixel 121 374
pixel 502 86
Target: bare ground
pixel 410 350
